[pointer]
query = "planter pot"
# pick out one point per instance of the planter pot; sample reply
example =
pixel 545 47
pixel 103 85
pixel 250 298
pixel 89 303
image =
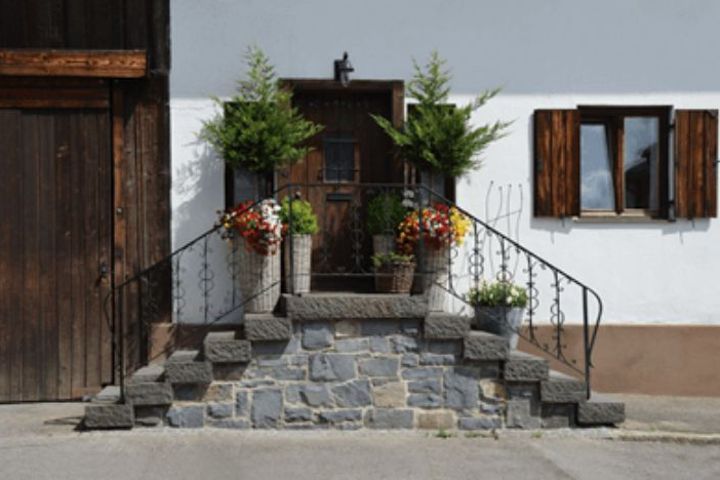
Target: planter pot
pixel 394 278
pixel 259 279
pixel 502 321
pixel 302 256
pixel 433 278
pixel 383 244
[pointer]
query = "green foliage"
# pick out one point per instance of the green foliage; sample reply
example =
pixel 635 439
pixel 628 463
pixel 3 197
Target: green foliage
pixel 260 130
pixel 384 214
pixel 439 136
pixel 304 220
pixel 498 294
pixel 392 258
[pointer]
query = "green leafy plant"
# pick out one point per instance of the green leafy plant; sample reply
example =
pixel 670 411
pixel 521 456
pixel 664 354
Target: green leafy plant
pixel 384 214
pixel 498 294
pixel 304 220
pixel 392 258
pixel 439 136
pixel 259 129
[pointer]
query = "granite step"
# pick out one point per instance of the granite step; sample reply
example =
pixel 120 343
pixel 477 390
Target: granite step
pixel 354 306
pixel 187 367
pixel 484 346
pixel 446 326
pixel 226 347
pixel 523 367
pixel 561 388
pixel 601 409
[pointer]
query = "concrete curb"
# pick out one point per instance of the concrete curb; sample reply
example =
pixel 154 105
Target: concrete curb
pixel 666 437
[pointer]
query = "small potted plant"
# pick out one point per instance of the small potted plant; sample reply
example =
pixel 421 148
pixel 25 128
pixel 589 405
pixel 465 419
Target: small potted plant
pixel 384 214
pixel 499 308
pixel 442 227
pixel 258 229
pixel 300 224
pixel 393 272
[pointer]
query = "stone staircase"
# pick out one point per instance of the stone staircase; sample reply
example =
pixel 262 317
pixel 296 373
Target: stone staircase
pixel 351 362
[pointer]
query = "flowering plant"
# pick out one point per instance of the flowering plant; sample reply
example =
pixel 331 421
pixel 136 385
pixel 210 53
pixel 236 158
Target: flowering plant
pixel 442 226
pixel 498 294
pixel 258 224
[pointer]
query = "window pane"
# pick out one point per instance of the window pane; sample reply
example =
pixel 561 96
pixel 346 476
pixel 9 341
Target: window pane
pixel 597 192
pixel 641 162
pixel 339 160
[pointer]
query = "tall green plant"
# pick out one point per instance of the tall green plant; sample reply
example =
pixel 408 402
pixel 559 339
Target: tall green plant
pixel 259 129
pixel 439 136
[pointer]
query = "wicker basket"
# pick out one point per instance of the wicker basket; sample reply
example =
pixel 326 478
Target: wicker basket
pixel 394 277
pixel 259 279
pixel 302 256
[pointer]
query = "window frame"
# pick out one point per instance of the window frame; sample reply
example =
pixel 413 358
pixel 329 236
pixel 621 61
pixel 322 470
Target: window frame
pixel 613 117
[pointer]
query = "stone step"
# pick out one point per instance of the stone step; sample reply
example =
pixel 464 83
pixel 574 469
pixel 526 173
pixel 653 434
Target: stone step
pixel 265 327
pixel 149 373
pixel 186 367
pixel 600 410
pixel 149 394
pixel 108 416
pixel 561 388
pixel 483 346
pixel 446 326
pixel 108 395
pixel 353 306
pixel 523 367
pixel 225 347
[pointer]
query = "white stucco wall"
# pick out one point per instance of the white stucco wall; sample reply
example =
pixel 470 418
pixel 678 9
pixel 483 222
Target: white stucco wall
pixel 550 54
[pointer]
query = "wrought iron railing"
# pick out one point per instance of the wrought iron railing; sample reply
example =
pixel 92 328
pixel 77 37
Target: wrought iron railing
pixel 199 283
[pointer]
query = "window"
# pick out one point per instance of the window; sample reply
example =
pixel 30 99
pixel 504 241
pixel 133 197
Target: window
pixel 339 159
pixel 624 160
pixel 615 162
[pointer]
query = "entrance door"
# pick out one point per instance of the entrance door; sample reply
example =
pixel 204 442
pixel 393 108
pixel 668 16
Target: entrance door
pixel 55 251
pixel 347 156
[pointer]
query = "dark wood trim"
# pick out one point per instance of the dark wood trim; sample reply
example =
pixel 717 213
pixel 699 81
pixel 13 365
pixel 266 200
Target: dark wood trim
pixel 74 63
pixel 325 85
pixel 21 92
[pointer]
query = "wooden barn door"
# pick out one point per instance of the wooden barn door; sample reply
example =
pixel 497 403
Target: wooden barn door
pixel 55 247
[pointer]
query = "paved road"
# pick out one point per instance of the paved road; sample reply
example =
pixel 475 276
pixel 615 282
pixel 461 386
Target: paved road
pixel 52 450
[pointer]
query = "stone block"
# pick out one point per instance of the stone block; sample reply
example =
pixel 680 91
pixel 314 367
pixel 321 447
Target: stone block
pixel 479 423
pixel 256 382
pixel 284 373
pixel 293 415
pixel 446 347
pixel 228 371
pixel 183 367
pixel 461 388
pixel 493 390
pixel 331 367
pixel 109 394
pixel 521 367
pixel 404 344
pixel 410 360
pixel 379 345
pixel 149 394
pixel 354 307
pixel 219 392
pixel 224 347
pixel 389 395
pixel 267 328
pixel 335 417
pixel 230 423
pixel 189 392
pixel 347 328
pixel 317 335
pixel 422 372
pixel 108 416
pixel 484 346
pixel 242 403
pixel 276 347
pixel 353 394
pixel 424 400
pixel 446 326
pixel 599 412
pixel 428 385
pixel 436 359
pixel 562 389
pixel 558 415
pixel 310 394
pixel 220 410
pixel 389 418
pixel 379 366
pixel 436 420
pixel 267 407
pixel 150 416
pixel 186 416
pixel 147 374
pixel 352 345
pixel 522 413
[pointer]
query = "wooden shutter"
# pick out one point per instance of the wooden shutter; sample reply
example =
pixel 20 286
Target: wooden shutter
pixel 696 135
pixel 557 163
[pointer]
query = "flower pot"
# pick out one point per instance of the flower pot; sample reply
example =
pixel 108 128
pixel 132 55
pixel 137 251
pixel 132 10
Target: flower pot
pixel 383 244
pixel 502 321
pixel 433 279
pixel 302 256
pixel 259 279
pixel 394 277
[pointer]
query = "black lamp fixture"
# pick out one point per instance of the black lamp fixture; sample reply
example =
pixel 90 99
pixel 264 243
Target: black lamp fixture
pixel 343 68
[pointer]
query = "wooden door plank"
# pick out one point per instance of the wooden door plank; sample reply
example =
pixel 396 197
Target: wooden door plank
pixel 74 63
pixel 710 161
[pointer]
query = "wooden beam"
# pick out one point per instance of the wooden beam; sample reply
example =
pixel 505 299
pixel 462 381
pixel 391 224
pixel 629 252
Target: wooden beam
pixel 74 63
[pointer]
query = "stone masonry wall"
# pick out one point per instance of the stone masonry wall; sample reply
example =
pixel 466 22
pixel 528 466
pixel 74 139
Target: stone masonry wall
pixel 349 375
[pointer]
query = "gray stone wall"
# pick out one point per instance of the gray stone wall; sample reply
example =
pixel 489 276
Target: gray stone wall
pixel 350 375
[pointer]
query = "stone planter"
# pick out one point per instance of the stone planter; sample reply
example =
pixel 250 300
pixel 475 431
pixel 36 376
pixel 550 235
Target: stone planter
pixel 301 260
pixel 383 244
pixel 433 279
pixel 502 321
pixel 259 279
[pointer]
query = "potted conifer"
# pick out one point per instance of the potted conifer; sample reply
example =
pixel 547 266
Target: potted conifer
pixel 300 222
pixel 384 214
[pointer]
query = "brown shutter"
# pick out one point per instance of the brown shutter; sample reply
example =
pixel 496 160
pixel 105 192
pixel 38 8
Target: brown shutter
pixel 557 163
pixel 696 134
